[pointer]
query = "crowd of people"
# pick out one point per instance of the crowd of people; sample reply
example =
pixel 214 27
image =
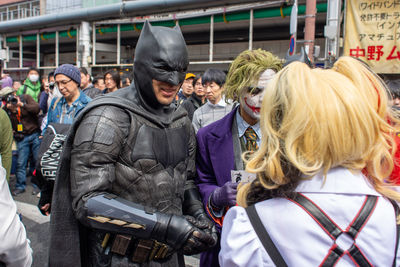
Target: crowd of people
pixel 35 103
pixel 264 164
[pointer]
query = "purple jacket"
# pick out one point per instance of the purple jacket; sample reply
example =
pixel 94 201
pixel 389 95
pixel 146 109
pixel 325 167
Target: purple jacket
pixel 214 162
pixel 6 81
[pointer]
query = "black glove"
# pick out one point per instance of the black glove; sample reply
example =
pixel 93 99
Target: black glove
pixel 194 207
pixel 202 239
pixel 182 233
pixel 209 228
pixel 46 196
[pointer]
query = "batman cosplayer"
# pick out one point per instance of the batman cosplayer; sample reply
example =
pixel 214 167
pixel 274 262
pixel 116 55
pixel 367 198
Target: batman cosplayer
pixel 125 194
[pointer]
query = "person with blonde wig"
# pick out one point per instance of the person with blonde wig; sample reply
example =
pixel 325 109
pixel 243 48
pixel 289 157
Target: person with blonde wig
pixel 320 196
pixel 348 67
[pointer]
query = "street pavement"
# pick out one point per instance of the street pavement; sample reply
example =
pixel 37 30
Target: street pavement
pixel 37 227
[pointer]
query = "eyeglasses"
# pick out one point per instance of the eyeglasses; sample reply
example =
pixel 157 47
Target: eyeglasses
pixel 63 83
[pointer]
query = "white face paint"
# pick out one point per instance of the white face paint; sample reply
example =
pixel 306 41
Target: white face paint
pixel 251 101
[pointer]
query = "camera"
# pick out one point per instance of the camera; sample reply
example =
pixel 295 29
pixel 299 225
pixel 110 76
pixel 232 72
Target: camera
pixel 12 99
pixel 51 86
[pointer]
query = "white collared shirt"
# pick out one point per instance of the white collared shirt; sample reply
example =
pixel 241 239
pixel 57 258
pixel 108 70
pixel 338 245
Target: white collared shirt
pixel 209 113
pixel 299 239
pixel 221 103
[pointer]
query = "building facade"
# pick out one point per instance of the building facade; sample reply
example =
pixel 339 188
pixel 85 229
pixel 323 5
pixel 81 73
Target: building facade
pixel 215 31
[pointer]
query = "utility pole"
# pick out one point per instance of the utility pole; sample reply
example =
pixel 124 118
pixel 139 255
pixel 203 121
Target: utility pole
pixel 332 31
pixel 84 44
pixel 309 32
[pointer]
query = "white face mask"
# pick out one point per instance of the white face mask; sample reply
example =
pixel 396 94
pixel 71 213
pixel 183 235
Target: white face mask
pixel 251 101
pixel 33 78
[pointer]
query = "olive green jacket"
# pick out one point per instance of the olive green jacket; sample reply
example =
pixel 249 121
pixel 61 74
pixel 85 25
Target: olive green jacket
pixel 6 139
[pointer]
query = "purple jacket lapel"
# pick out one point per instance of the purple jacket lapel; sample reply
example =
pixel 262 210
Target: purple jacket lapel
pixel 221 148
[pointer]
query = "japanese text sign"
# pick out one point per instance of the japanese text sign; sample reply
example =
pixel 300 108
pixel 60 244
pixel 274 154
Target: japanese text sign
pixel 372 33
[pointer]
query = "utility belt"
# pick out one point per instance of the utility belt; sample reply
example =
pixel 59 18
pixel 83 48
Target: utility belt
pixel 137 250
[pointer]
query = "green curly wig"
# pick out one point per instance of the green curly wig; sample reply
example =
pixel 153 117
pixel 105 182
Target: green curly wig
pixel 246 69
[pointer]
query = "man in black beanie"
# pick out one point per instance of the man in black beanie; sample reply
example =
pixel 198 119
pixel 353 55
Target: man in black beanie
pixel 62 110
pixel 125 194
pixel 66 108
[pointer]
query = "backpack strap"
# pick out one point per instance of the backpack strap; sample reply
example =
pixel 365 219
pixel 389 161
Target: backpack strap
pixel 264 237
pixel 24 91
pixel 334 231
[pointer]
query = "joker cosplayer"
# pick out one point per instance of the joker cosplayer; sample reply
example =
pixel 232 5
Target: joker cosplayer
pixel 221 144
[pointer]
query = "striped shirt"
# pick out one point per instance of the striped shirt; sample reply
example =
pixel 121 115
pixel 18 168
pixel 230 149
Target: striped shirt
pixel 67 113
pixel 208 113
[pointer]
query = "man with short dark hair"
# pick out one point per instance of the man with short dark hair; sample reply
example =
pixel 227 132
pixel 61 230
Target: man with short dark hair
pixel 112 81
pixel 86 84
pixel 16 85
pixel 213 81
pixel 98 82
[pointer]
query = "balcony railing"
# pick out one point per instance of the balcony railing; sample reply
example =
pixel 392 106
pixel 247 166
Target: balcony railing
pixel 20 10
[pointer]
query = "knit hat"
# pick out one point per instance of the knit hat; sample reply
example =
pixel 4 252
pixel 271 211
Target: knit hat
pixel 70 71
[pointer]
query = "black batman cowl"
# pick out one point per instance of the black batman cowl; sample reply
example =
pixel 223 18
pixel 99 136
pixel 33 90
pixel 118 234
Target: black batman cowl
pixel 160 54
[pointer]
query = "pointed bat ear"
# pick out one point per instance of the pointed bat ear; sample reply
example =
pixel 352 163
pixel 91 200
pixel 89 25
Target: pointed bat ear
pixel 147 29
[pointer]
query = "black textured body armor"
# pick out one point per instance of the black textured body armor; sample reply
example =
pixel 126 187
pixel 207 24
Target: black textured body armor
pixel 134 156
pixel 126 175
pixel 152 167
